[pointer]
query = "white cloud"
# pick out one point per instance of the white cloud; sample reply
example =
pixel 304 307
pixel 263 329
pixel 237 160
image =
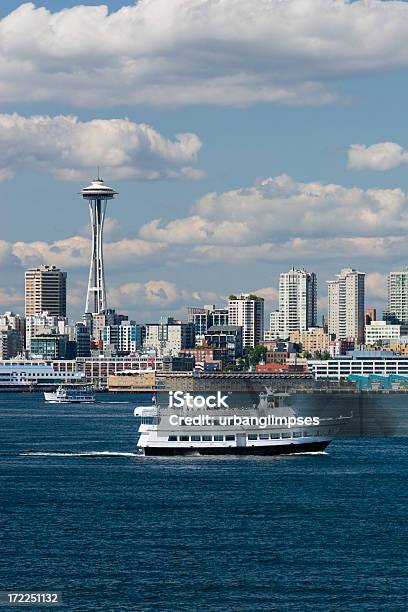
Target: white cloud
pixel 278 210
pixel 70 149
pixel 160 297
pixel 198 51
pixel 75 252
pixel 380 156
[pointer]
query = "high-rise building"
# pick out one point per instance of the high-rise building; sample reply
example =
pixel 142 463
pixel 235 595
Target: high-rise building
pixel 97 194
pixel 126 337
pixel 346 308
pixel 397 310
pixel 297 301
pixel 45 290
pixel 247 310
pixel 206 317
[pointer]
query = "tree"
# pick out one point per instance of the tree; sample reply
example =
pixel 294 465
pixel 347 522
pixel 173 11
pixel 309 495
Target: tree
pixel 257 354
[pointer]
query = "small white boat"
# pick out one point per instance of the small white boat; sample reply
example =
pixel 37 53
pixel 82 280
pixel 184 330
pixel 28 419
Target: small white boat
pixel 70 394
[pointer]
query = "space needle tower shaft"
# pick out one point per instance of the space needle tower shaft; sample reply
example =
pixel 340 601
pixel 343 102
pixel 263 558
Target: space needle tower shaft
pixel 97 194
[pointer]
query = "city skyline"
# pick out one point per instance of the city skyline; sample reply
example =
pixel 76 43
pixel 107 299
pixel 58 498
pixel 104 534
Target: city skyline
pixel 222 191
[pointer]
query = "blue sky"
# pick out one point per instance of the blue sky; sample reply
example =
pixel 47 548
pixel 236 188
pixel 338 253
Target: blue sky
pixel 256 108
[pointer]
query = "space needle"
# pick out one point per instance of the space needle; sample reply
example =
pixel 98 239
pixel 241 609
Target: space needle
pixel 97 194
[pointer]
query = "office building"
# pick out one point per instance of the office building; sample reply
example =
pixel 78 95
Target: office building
pixel 297 301
pixel 379 363
pixel 45 290
pixel 126 338
pixel 247 311
pixel 227 338
pixel 313 340
pixel 44 324
pixel 49 346
pixel 379 332
pixel 168 338
pixel 206 317
pixel 397 308
pixel 346 308
pixel 370 315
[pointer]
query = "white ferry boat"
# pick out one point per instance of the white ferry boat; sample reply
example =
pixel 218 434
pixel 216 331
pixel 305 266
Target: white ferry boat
pixel 70 394
pixel 227 440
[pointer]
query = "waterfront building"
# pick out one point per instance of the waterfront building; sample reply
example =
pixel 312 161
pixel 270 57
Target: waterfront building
pixel 45 290
pixel 27 374
pixel 381 363
pixel 168 338
pixel 346 308
pixel 381 331
pixel 227 338
pixel 397 308
pixel 297 301
pixel 206 317
pixel 247 311
pixel 97 194
pixel 178 363
pixel 311 340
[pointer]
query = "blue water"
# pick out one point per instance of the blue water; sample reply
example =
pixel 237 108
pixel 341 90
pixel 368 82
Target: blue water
pixel 119 532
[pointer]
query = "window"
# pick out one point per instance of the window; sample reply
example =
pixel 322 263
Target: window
pixel 207 438
pixel 195 438
pixel 218 438
pixel 229 438
pixel 264 436
pixel 184 438
pixel 297 434
pixel 275 436
pixel 252 436
pixel 172 438
pixel 286 434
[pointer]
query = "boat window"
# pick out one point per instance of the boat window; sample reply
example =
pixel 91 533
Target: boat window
pixel 229 438
pixel 286 434
pixel 184 438
pixel 252 436
pixel 207 438
pixel 263 436
pixel 297 434
pixel 218 438
pixel 195 438
pixel 275 436
pixel 172 438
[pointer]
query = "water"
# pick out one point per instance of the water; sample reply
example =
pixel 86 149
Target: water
pixel 83 514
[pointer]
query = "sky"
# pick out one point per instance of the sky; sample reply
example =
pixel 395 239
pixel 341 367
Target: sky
pixel 244 137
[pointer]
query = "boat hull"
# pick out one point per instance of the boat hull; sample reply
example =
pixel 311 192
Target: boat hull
pixel 281 449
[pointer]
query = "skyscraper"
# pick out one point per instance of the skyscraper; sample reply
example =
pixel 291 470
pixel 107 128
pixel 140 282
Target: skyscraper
pixel 97 194
pixel 247 310
pixel 397 310
pixel 297 301
pixel 45 290
pixel 346 308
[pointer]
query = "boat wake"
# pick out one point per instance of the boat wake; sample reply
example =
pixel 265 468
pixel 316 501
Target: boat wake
pixel 77 454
